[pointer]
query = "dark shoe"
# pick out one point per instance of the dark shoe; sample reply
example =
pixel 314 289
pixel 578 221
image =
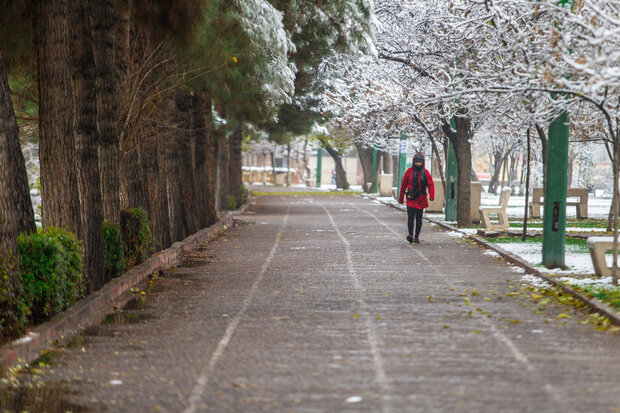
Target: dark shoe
pixel 409 238
pixel 417 240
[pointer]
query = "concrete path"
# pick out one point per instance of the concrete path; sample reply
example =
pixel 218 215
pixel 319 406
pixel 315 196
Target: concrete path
pixel 318 304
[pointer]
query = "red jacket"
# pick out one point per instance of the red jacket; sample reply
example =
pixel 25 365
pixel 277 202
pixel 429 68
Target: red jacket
pixel 420 202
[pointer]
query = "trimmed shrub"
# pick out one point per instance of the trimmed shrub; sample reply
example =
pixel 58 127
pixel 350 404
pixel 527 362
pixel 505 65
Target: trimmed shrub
pixel 244 194
pixel 137 236
pixel 51 271
pixel 113 250
pixel 13 308
pixel 232 203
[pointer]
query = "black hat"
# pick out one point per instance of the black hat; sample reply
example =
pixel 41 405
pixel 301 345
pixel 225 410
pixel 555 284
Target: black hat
pixel 418 157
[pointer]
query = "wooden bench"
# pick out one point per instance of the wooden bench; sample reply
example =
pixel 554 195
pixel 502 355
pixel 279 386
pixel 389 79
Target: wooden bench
pixel 582 204
pixel 598 246
pixel 500 210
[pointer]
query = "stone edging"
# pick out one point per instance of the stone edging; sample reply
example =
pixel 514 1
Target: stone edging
pixel 93 308
pixel 592 303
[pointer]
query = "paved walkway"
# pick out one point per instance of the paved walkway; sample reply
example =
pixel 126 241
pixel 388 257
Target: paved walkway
pixel 317 304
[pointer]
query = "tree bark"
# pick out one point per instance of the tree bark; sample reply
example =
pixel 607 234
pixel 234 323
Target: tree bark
pixel 365 156
pixel 86 143
pixel 154 170
pixel 222 179
pixel 234 173
pixel 498 157
pixel 133 186
pixel 341 175
pixel 387 163
pixel 203 167
pixel 544 142
pixel 176 210
pixel 59 188
pixel 462 147
pixel 211 161
pixel 184 137
pixel 16 214
pixel 569 177
pixel 102 19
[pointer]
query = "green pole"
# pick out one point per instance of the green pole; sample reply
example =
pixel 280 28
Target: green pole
pixel 402 159
pixel 554 216
pixel 451 180
pixel 374 187
pixel 319 165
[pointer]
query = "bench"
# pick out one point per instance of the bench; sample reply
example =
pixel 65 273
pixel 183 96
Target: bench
pixel 582 204
pixel 598 246
pixel 500 210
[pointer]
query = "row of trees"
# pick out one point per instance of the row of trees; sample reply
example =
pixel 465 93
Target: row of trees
pixel 508 66
pixel 146 104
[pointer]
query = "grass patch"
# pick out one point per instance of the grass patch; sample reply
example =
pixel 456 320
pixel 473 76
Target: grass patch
pixel 578 245
pixel 570 222
pixel 519 224
pixel 608 295
pixel 307 193
pixel 44 359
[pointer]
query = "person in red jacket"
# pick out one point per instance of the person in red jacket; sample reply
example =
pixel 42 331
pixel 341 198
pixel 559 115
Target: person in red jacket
pixel 416 181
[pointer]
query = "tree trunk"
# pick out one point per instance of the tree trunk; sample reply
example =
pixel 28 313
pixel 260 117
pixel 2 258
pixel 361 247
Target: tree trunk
pixel 185 138
pixel 462 148
pixel 102 21
pixel 387 163
pixel 133 186
pixel 59 188
pixel 341 175
pixel 272 156
pixel 16 214
pixel 211 161
pixel 288 165
pixel 440 166
pixel 504 171
pixel 365 155
pixel 234 173
pixel 86 143
pixel 223 170
pixel 204 160
pixel 544 142
pixel 307 171
pixel 497 167
pixel 527 185
pixel 395 170
pixel 174 153
pixel 571 159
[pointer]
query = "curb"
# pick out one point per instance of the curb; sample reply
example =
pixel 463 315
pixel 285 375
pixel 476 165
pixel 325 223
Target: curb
pixel 593 304
pixel 93 308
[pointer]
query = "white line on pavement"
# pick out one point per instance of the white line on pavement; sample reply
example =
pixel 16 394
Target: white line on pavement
pixel 370 329
pixel 203 378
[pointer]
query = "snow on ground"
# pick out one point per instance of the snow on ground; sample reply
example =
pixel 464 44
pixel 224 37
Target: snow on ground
pixel 534 281
pixel 588 282
pixel 580 270
pixel 577 260
pixel 597 207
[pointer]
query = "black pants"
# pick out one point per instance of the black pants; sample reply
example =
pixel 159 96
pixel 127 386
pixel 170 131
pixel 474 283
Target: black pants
pixel 414 214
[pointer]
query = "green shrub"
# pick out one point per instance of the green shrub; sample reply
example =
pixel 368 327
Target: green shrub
pixel 113 254
pixel 51 271
pixel 244 194
pixel 232 203
pixel 137 237
pixel 13 308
